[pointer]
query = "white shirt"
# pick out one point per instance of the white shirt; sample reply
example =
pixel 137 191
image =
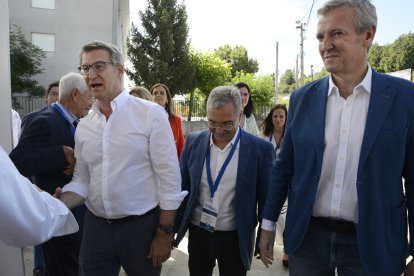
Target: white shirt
pixel 226 191
pixel 16 127
pixel 27 216
pixel 126 165
pixel 344 130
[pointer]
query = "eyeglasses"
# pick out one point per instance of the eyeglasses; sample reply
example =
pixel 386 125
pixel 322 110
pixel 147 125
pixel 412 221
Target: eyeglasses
pixel 226 126
pixel 98 67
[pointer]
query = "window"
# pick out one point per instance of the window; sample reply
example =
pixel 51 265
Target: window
pixel 44 4
pixel 45 41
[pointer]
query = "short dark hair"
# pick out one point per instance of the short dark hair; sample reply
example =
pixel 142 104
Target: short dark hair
pixel 53 84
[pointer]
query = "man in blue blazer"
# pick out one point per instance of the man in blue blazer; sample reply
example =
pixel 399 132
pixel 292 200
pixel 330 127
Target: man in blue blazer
pixel 226 172
pixel 349 142
pixel 45 151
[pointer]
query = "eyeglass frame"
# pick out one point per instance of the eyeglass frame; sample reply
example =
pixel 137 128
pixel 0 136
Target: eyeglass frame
pixel 93 66
pixel 214 125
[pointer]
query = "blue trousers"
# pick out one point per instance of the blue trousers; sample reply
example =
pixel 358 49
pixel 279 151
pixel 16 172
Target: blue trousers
pixel 323 251
pixel 108 246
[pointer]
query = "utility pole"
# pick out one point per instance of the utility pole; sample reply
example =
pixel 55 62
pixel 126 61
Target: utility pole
pixel 301 27
pixel 277 72
pixel 297 73
pixel 311 71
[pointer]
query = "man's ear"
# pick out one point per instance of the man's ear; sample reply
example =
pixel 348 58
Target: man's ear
pixel 74 93
pixel 369 36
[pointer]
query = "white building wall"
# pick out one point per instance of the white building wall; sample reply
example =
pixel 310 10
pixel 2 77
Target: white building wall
pixel 74 23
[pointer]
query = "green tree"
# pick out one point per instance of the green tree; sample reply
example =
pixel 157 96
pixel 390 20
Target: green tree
pixel 262 86
pixel 25 62
pixel 210 71
pixel 374 56
pixel 287 82
pixel 402 53
pixel 238 59
pixel 159 51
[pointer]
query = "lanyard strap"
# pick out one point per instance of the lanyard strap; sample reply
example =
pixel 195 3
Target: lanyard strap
pixel 59 109
pixel 213 187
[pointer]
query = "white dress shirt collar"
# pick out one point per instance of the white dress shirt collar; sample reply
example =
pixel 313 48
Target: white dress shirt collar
pixel 231 143
pixel 364 84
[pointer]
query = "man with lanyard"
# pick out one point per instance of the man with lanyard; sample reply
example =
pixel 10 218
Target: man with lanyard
pixel 224 169
pixel 45 151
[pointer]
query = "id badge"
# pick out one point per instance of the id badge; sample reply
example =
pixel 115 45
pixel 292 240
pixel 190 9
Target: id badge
pixel 209 214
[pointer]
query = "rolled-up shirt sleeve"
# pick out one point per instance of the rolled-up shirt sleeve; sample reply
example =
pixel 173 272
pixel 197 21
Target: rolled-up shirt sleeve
pixel 80 180
pixel 165 162
pixel 27 216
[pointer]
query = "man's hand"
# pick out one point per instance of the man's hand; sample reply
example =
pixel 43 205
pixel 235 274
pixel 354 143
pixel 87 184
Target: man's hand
pixel 267 241
pixel 409 269
pixel 160 249
pixel 70 158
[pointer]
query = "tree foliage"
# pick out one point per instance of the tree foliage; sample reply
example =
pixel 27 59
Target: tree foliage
pixel 210 71
pixel 159 51
pixel 262 86
pixel 25 62
pixel 396 56
pixel 238 58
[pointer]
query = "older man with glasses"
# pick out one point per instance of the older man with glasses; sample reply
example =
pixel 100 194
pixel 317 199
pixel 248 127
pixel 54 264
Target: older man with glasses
pixel 224 169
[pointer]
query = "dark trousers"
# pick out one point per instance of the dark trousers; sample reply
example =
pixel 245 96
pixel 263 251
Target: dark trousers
pixel 204 248
pixel 323 251
pixel 108 246
pixel 61 254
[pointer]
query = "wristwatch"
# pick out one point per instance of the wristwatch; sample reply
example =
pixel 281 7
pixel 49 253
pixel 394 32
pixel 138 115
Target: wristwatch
pixel 166 228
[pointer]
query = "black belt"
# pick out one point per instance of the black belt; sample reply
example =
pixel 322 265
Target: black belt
pixel 336 225
pixel 130 218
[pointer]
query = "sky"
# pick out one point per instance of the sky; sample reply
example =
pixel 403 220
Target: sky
pixel 259 24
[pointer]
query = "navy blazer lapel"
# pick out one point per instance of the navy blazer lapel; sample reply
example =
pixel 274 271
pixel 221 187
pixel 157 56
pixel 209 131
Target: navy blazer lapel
pixel 244 157
pixel 200 156
pixel 317 108
pixel 380 103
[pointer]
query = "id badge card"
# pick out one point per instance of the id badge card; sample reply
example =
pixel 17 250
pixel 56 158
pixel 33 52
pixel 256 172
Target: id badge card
pixel 209 214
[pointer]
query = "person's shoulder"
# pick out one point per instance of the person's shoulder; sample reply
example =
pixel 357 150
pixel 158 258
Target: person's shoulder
pixel 392 81
pixel 316 85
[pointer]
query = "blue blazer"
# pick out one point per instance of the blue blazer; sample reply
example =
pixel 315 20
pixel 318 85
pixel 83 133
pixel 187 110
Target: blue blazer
pixel 39 153
pixel 387 156
pixel 253 175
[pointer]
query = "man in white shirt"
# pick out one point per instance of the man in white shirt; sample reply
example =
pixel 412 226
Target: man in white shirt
pixel 349 142
pixel 16 126
pixel 226 171
pixel 29 216
pixel 126 170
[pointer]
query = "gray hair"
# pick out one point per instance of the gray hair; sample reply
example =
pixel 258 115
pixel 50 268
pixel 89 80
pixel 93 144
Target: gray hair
pixel 70 81
pixel 113 51
pixel 222 95
pixel 366 15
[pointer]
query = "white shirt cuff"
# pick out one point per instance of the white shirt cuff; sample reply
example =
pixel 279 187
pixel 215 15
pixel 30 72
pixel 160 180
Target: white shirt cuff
pixel 268 225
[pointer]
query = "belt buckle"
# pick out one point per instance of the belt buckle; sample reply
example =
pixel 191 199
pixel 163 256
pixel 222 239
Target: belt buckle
pixel 108 221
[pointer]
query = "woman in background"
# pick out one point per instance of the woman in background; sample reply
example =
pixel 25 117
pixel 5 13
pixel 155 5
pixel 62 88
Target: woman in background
pixel 273 129
pixel 247 120
pixel 162 96
pixel 141 92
